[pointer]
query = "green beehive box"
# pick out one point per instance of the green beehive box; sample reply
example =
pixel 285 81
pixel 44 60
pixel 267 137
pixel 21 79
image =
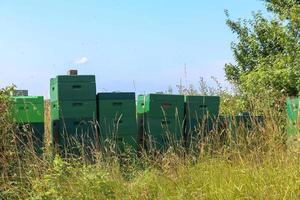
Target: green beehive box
pixel 117 115
pixel 28 109
pixel 118 126
pixel 73 134
pixel 159 132
pixel 238 126
pixel 292 109
pixel 160 119
pixel 201 113
pixel 157 127
pixel 161 106
pixel 117 108
pixel 248 121
pixel 28 113
pixel 31 134
pixel 113 96
pixel 116 104
pixel 67 88
pixel 198 107
pixel 73 109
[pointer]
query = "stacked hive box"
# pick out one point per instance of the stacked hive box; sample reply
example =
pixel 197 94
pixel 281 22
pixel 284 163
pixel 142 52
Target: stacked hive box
pixel 248 122
pixel 292 108
pixel 201 113
pixel 160 120
pixel 239 125
pixel 28 113
pixel 117 119
pixel 73 111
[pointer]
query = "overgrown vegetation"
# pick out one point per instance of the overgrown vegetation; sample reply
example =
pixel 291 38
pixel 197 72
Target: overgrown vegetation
pixel 267 52
pixel 229 163
pixel 7 140
pixel 257 164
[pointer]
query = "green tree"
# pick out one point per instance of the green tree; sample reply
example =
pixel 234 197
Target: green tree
pixel 267 51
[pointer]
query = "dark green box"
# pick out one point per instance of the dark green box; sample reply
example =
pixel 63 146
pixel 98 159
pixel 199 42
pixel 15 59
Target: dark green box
pixel 158 132
pixel 73 109
pixel 161 119
pixel 198 107
pixel 79 87
pixel 116 104
pixel 116 96
pixel 201 113
pixel 117 126
pixel 248 122
pixel 73 135
pixel 234 126
pixel 31 135
pixel 161 106
pixel 28 109
pixel 117 115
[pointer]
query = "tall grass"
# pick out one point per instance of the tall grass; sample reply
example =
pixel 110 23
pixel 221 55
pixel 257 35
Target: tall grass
pixel 256 164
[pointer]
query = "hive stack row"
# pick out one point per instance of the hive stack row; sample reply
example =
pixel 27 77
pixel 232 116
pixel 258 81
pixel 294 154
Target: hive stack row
pixel 84 120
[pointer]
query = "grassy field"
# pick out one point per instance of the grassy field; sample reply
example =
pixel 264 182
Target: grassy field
pixel 260 164
pixel 274 177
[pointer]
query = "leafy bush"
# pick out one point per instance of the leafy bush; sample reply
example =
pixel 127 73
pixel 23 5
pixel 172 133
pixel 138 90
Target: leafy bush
pixel 267 51
pixel 7 139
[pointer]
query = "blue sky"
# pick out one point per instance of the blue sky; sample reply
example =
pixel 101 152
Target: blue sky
pixel 130 45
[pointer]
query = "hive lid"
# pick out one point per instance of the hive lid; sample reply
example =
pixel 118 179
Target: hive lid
pixel 116 96
pixel 77 78
pixel 202 99
pixel 165 97
pixel 28 99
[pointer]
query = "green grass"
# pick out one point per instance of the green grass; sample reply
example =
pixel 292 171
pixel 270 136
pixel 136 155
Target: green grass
pixel 256 173
pixel 276 176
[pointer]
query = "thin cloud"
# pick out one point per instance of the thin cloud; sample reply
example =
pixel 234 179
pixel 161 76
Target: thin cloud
pixel 81 61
